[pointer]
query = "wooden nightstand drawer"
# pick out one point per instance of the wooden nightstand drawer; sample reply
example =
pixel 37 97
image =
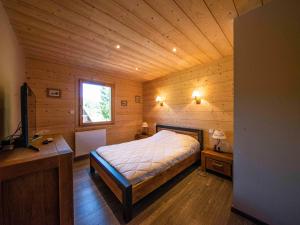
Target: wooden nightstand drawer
pixel 218 166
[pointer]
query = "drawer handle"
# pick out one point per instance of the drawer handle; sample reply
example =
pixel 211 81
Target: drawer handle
pixel 219 165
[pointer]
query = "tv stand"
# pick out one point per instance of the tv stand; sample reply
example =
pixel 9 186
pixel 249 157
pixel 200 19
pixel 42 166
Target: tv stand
pixel 36 187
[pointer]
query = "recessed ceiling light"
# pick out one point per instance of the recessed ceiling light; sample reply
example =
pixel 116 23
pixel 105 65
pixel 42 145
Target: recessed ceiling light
pixel 118 46
pixel 136 68
pixel 174 49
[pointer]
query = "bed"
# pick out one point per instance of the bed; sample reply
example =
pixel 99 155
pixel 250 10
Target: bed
pixel 146 164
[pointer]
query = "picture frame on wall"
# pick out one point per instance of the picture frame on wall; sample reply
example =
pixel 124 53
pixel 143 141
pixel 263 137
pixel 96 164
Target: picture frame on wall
pixel 137 99
pixel 53 92
pixel 124 103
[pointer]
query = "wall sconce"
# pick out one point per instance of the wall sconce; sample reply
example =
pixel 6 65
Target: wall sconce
pixel 159 100
pixel 197 95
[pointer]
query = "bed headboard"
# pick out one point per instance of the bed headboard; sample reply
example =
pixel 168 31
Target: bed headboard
pixel 195 133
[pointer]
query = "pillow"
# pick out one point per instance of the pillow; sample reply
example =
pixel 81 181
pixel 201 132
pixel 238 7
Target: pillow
pixel 163 134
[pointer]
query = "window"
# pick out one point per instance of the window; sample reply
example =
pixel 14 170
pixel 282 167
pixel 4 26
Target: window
pixel 96 103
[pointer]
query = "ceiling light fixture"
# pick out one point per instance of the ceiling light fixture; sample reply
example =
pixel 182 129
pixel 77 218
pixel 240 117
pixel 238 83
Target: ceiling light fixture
pixel 136 68
pixel 118 46
pixel 174 50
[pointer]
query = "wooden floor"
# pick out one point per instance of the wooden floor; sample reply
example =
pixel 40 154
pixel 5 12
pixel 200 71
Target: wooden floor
pixel 190 198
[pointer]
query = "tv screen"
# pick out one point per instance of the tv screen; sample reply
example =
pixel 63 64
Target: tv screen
pixel 28 114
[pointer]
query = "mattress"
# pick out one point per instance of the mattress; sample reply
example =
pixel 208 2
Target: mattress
pixel 142 159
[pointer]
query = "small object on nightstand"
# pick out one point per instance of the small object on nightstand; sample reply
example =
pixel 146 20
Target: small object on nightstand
pixel 219 162
pixel 47 141
pixel 141 136
pixel 218 135
pixel 50 139
pixel 145 128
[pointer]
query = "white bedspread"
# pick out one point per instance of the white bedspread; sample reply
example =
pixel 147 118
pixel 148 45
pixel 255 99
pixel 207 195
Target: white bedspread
pixel 143 159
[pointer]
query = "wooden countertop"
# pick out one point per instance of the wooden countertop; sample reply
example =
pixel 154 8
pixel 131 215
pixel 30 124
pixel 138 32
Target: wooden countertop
pixel 225 156
pixel 21 155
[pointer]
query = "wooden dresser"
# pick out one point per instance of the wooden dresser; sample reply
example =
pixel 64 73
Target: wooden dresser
pixel 36 188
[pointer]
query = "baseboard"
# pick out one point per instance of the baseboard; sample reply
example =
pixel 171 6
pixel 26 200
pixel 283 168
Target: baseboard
pixel 251 218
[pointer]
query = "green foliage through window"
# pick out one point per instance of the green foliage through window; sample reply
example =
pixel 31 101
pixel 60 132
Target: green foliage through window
pixel 96 103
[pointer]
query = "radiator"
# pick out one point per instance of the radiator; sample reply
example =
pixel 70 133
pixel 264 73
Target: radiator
pixel 86 141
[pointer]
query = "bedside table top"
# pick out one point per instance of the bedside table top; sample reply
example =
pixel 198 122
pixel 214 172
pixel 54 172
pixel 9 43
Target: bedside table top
pixel 140 136
pixel 225 156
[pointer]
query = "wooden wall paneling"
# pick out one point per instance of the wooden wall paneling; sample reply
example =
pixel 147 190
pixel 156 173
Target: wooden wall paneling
pixel 202 18
pixel 91 52
pixel 73 22
pixel 60 115
pixel 85 33
pixel 62 48
pixel 57 36
pixel 73 53
pixel 133 68
pixel 74 63
pixel 178 38
pixel 142 44
pixel 71 31
pixel 132 21
pixel 147 14
pixel 49 52
pixel 216 109
pixel 224 14
pixel 169 10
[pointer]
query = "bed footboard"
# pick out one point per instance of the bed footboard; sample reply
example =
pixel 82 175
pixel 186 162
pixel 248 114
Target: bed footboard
pixel 117 183
pixel 124 191
pixel 128 194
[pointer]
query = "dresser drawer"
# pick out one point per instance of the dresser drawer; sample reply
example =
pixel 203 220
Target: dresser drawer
pixel 218 166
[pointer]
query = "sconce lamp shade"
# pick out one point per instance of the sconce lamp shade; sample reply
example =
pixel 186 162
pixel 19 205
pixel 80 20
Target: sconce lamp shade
pixel 159 100
pixel 197 95
pixel 145 124
pixel 219 134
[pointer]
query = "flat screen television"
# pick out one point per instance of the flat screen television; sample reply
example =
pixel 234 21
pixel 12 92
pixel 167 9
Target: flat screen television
pixel 28 115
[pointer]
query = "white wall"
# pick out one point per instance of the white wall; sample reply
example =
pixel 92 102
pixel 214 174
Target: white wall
pixel 11 76
pixel 267 113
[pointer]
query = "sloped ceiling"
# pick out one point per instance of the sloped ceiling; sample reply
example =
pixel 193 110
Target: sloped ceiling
pixel 137 39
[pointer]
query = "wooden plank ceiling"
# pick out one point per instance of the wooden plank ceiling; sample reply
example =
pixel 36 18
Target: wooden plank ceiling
pixel 136 39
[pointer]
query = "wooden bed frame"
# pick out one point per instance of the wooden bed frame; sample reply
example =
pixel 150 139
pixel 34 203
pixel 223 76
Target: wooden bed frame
pixel 130 194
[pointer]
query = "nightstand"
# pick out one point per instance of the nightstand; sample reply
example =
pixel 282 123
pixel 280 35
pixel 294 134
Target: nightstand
pixel 219 162
pixel 141 136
